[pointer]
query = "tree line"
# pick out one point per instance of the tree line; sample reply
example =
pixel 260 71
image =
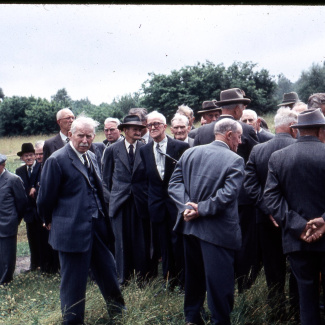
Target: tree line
pixel 191 85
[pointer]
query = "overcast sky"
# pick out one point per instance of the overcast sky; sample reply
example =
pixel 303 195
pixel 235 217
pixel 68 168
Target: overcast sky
pixel 105 51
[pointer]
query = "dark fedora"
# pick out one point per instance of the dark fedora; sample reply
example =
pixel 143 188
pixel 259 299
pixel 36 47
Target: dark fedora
pixel 131 120
pixel 232 96
pixel 209 106
pixel 289 98
pixel 25 148
pixel 310 118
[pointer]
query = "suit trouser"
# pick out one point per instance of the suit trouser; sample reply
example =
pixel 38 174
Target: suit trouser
pixel 34 230
pixel 8 248
pixel 306 267
pixel 208 268
pixel 74 274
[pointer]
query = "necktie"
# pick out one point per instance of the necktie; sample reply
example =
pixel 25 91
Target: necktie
pixel 131 154
pixel 67 140
pixel 29 171
pixel 84 156
pixel 165 154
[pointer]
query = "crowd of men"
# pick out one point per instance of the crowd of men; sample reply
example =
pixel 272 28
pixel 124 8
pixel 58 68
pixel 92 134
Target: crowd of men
pixel 214 204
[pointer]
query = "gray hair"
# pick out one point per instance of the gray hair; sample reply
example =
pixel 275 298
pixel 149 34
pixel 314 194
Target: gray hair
pixel 112 119
pixel 299 107
pixel 59 113
pixel 316 100
pixel 39 144
pixel 284 117
pixel 225 125
pixel 180 117
pixel 250 111
pixel 141 112
pixel 83 120
pixel 185 110
pixel 157 115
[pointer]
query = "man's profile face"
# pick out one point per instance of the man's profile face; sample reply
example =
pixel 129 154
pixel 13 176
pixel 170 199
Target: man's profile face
pixel 39 154
pixel 65 121
pixel 2 167
pixel 235 140
pixel 249 119
pixel 28 158
pixel 132 133
pixel 211 116
pixel 82 138
pixel 180 130
pixel 111 131
pixel 157 132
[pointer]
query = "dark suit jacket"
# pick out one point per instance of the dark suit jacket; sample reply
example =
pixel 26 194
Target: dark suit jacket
pixel 63 200
pixel 159 201
pixel 12 203
pixel 98 149
pixel 264 136
pixel 52 145
pixel 205 135
pixel 256 171
pixel 294 191
pixel 214 189
pixel 120 182
pixel 30 212
pixel 192 134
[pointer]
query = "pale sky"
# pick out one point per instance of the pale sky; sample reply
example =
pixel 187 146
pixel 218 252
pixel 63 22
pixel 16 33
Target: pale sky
pixel 105 51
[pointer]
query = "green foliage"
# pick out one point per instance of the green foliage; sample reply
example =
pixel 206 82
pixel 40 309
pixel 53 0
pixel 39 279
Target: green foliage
pixel 121 105
pixel 62 98
pixel 284 85
pixel 192 85
pixel 311 81
pixel 2 95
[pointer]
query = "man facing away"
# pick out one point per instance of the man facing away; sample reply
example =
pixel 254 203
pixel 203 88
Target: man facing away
pixel 205 186
pixel 13 200
pixel 72 204
pixel 126 195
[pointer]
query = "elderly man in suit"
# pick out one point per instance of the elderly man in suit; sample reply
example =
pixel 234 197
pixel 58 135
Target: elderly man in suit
pixel 112 132
pixel 189 113
pixel 208 220
pixel 269 233
pixel 159 158
pixel 12 204
pixel 180 128
pixel 64 118
pixel 250 117
pixel 142 113
pixel 126 194
pixel 317 100
pixel 30 175
pixel 289 100
pixel 72 204
pixel 293 196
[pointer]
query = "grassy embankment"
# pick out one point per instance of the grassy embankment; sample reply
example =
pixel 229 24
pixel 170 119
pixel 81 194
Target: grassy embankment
pixel 33 298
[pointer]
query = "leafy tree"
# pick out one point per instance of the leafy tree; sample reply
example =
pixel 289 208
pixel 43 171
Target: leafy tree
pixel 83 106
pixel 121 105
pixel 102 112
pixel 2 95
pixel 311 81
pixel 284 85
pixel 62 98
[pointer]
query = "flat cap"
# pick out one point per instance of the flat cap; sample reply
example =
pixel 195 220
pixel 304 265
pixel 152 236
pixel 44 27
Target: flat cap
pixel 3 158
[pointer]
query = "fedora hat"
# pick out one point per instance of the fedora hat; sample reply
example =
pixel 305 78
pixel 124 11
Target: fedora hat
pixel 209 106
pixel 232 96
pixel 289 98
pixel 25 148
pixel 131 120
pixel 3 158
pixel 309 119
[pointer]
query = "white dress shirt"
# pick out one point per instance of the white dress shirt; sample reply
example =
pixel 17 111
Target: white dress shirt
pixel 160 159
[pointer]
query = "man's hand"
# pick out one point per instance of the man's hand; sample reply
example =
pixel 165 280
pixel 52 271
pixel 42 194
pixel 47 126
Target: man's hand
pixel 32 192
pixel 273 221
pixel 190 214
pixel 314 230
pixel 48 227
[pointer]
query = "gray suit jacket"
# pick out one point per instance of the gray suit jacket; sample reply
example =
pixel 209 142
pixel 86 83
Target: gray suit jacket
pixel 13 201
pixel 63 200
pixel 294 191
pixel 120 182
pixel 210 175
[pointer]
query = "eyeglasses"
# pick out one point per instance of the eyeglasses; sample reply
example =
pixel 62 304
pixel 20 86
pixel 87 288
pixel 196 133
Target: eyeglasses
pixel 155 124
pixel 250 120
pixel 110 130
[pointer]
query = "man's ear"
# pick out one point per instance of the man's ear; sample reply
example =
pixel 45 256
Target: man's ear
pixel 69 134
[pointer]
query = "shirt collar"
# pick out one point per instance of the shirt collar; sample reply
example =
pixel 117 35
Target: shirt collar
pixel 222 142
pixel 127 144
pixel 162 142
pixel 32 166
pixel 3 172
pixel 63 137
pixel 76 151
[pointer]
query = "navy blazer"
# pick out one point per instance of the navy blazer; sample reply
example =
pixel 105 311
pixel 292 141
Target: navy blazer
pixel 13 201
pixel 52 145
pixel 159 201
pixel 215 189
pixel 256 171
pixel 63 200
pixel 120 182
pixel 294 191
pixel 30 213
pixel 98 149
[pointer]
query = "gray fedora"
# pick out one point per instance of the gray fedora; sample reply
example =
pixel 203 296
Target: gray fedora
pixel 232 96
pixel 131 120
pixel 3 158
pixel 209 106
pixel 289 98
pixel 310 118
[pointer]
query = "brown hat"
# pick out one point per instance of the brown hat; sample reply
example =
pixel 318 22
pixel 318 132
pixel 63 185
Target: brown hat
pixel 289 98
pixel 309 119
pixel 131 120
pixel 209 106
pixel 25 148
pixel 232 96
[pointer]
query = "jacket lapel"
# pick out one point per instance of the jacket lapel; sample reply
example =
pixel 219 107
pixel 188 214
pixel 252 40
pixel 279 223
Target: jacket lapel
pixel 123 155
pixel 137 159
pixel 3 179
pixel 76 162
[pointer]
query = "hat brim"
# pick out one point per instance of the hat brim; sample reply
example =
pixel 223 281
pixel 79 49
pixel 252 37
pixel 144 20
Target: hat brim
pixel 210 110
pixel 287 103
pixel 20 153
pixel 306 126
pixel 124 125
pixel 233 101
